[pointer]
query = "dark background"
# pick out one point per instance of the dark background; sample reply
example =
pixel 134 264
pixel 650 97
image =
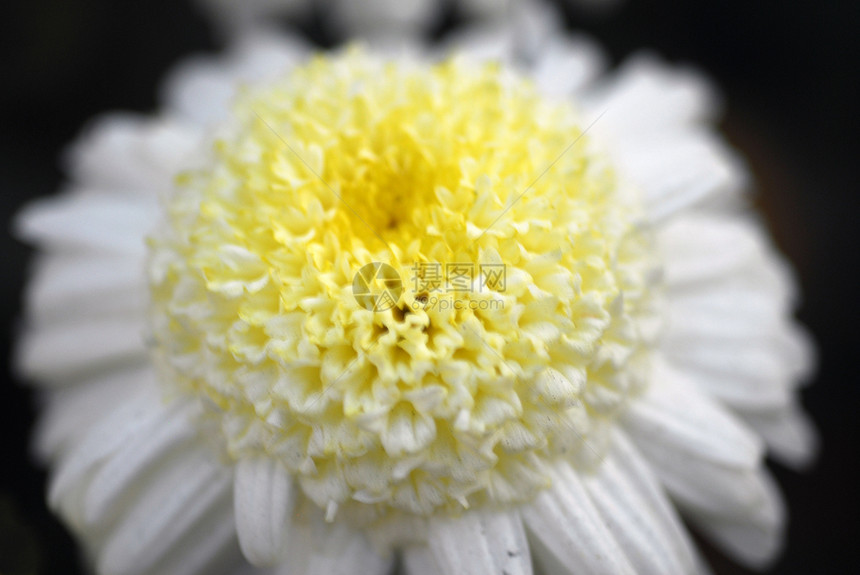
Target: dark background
pixel 789 73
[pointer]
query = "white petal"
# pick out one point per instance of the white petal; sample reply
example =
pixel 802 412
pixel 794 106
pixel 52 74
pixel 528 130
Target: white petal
pixel 300 547
pixel 750 376
pixel 264 499
pixel 635 524
pixel 130 303
pixel 139 414
pixel 201 89
pixel 372 18
pixel 755 540
pixel 138 454
pixel 419 560
pixel 647 486
pixel 728 313
pixel 706 483
pixel 209 548
pixel 567 65
pixel 67 286
pixel 699 250
pixel 517 40
pixel 54 355
pixel 245 568
pixel 480 543
pixel 673 414
pixel 570 536
pixel 707 317
pixel 653 119
pixel 647 95
pixel 101 224
pixel 129 153
pixel 742 375
pixel 788 432
pixel 746 364
pixel 70 411
pixel 726 503
pixel 171 503
pixel 343 551
pixel 676 171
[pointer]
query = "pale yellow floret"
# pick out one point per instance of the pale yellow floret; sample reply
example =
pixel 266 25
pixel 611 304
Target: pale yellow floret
pixel 417 408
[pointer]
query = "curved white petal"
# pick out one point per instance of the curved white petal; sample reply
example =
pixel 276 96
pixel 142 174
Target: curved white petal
pixel 301 544
pixel 70 410
pixel 419 560
pixel 729 330
pixel 374 18
pixel 517 40
pixel 714 493
pixel 755 539
pixel 698 482
pixel 653 118
pixel 135 459
pixel 367 19
pixel 107 224
pixel 647 486
pixel 140 414
pixel 56 354
pixel 740 374
pixel 567 65
pixel 703 248
pixel 128 155
pixel 264 500
pixel 788 432
pixel 480 543
pixel 569 533
pixel 638 526
pixel 166 510
pixel 341 550
pixel 648 95
pixel 673 414
pixel 209 547
pixel 66 287
pixel 677 171
pixel 737 350
pixel 201 89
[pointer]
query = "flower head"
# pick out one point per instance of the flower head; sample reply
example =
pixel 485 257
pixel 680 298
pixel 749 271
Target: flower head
pixel 351 161
pixel 221 368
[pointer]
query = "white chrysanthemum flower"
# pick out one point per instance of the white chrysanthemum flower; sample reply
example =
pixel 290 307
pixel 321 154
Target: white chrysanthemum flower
pixel 215 392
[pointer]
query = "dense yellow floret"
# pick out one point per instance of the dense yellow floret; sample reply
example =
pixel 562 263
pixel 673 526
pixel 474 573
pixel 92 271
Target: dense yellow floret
pixel 441 399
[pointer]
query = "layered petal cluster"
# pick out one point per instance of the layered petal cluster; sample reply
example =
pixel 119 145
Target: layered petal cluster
pixel 134 472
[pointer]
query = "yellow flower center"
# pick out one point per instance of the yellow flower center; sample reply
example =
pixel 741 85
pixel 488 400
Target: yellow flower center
pixel 414 286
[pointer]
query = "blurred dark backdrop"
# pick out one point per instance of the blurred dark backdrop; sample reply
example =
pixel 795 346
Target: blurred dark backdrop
pixel 788 70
